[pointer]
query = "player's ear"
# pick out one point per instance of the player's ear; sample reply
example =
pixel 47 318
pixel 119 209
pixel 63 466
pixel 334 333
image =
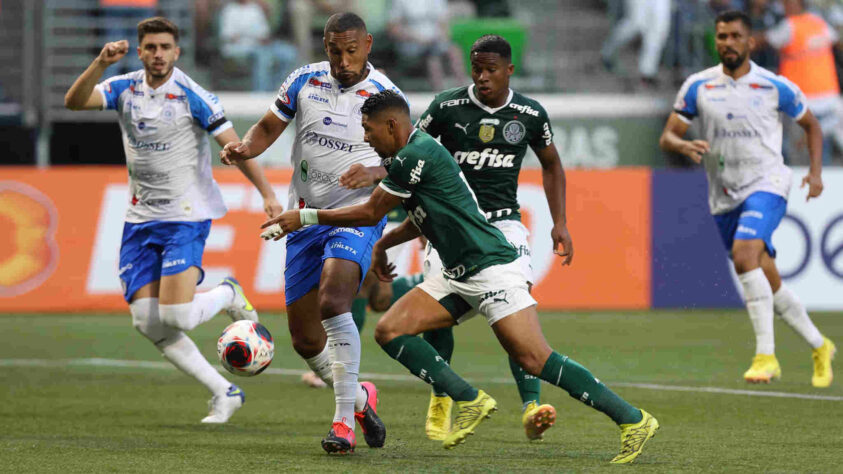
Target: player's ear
pixel 510 70
pixel 178 53
pixel 368 43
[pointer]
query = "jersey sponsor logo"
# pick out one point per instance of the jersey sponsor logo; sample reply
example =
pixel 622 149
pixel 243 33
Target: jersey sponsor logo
pixel 363 93
pixel 141 145
pixel 136 93
pixel 400 160
pixel 329 121
pixel 525 109
pixel 737 134
pixel 755 214
pixel 415 174
pixel 514 131
pixel 316 175
pixel 180 98
pixel 320 84
pixel 455 272
pixel 124 269
pixel 215 117
pixel 760 86
pixel 313 138
pixel 547 135
pixel 742 229
pixel 425 122
pixel 453 103
pixel 714 86
pixel 342 246
pixel 489 157
pixel 346 230
pixel 464 128
pixel 285 99
pixel 313 97
pixel 498 296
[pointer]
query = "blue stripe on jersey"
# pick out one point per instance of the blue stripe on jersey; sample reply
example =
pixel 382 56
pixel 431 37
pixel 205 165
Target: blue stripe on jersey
pixel 293 92
pixel 113 90
pixel 690 100
pixel 201 111
pixel 377 84
pixel 789 102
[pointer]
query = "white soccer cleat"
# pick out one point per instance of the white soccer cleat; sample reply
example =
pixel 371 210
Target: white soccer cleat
pixel 240 308
pixel 223 406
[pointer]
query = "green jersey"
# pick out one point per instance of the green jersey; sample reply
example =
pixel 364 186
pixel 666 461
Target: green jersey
pixel 489 144
pixel 440 203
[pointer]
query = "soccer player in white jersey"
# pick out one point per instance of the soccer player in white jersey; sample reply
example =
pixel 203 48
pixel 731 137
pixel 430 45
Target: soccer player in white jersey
pixel 165 119
pixel 740 105
pixel 325 265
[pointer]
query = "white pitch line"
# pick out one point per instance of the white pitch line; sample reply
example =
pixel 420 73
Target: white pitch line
pixel 146 364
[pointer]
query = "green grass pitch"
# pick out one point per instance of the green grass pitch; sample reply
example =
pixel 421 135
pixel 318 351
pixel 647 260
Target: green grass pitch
pixel 70 402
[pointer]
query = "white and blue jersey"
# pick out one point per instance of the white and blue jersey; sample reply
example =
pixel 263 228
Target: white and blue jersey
pixel 165 137
pixel 329 139
pixel 172 193
pixel 742 122
pixel 329 136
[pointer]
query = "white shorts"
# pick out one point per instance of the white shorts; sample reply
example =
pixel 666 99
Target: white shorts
pixel 496 291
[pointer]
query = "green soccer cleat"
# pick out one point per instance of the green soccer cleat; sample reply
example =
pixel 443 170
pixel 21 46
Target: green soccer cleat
pixel 634 436
pixel 469 415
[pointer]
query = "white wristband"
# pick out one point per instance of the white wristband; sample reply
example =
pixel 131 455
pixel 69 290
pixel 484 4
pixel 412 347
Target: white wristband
pixel 308 216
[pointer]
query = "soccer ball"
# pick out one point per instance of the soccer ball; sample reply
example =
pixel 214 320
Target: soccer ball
pixel 245 348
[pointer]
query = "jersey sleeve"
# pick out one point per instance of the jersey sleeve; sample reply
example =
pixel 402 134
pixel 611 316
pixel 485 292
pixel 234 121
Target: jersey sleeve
pixel 686 100
pixel 430 122
pixel 791 99
pixel 205 108
pixel 404 174
pixel 111 89
pixel 286 103
pixel 542 136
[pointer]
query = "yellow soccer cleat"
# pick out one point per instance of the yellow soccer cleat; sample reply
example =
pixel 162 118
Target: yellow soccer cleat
pixel 764 368
pixel 823 356
pixel 438 422
pixel 634 436
pixel 469 415
pixel 537 419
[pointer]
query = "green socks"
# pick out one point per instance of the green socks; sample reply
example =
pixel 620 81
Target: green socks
pixel 580 384
pixel 529 387
pixel 423 361
pixel 401 285
pixel 442 341
pixel 358 312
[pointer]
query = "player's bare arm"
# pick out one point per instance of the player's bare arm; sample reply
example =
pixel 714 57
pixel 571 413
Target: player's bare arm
pixel 813 179
pixel 672 141
pixel 553 181
pixel 253 172
pixel 256 141
pixel 80 96
pixel 359 176
pixel 405 232
pixel 361 215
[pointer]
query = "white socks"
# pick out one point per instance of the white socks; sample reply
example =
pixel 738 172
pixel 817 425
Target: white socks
pixel 186 316
pixel 759 304
pixel 788 306
pixel 344 350
pixel 175 345
pixel 320 364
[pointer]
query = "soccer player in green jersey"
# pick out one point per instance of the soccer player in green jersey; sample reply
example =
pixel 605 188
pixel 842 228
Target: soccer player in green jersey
pixel 481 271
pixel 487 127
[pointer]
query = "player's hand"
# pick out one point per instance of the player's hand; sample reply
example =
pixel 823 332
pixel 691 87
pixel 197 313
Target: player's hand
pixel 561 236
pixel 234 152
pixel 815 185
pixel 272 207
pixel 359 176
pixel 384 270
pixel 113 52
pixel 281 225
pixel 695 149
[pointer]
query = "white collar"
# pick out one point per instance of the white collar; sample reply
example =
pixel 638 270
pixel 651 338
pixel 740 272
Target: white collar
pixel 484 106
pixel 161 87
pixel 753 68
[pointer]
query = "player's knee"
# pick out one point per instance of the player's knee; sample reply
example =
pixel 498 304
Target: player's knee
pixel 331 304
pixel 385 331
pixel 532 362
pixel 176 315
pixel 146 320
pixel 745 259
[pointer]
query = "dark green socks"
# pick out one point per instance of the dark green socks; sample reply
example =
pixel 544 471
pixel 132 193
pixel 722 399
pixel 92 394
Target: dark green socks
pixel 580 384
pixel 529 387
pixel 424 362
pixel 442 340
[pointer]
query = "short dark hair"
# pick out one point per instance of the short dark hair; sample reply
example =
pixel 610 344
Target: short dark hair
pixel 734 15
pixel 339 22
pixel 492 44
pixel 385 100
pixel 157 24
